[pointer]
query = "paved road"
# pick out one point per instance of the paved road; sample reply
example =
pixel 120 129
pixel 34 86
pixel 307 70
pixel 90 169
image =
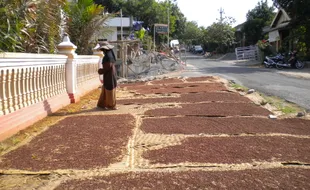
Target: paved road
pixel 264 80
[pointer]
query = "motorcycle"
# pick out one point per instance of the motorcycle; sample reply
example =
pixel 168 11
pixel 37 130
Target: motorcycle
pixel 279 61
pixel 292 62
pixel 272 61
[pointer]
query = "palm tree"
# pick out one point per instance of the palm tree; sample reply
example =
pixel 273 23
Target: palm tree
pixel 85 22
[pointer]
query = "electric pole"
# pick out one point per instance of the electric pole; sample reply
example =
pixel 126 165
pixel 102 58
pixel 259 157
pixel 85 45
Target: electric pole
pixel 221 14
pixel 168 12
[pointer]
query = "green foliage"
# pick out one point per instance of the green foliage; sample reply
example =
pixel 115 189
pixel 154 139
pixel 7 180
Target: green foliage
pixel 192 33
pixel 85 21
pixel 265 47
pixel 257 18
pixel 253 30
pixel 140 34
pixel 29 26
pixel 262 11
pixel 12 25
pixel 110 6
pixel 45 34
pixel 147 42
pixel 222 34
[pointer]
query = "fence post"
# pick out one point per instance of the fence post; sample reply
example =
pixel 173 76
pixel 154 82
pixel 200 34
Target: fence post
pixel 66 47
pixel 236 52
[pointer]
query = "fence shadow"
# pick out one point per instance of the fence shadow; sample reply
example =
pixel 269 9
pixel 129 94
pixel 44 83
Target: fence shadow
pixel 83 111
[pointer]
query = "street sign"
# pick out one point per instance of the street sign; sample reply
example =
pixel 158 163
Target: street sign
pixel 161 28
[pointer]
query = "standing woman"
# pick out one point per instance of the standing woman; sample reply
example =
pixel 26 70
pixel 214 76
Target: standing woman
pixel 107 98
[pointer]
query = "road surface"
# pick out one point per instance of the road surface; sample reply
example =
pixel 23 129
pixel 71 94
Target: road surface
pixel 267 81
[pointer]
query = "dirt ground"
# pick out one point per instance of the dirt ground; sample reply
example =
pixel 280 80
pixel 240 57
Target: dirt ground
pixel 175 133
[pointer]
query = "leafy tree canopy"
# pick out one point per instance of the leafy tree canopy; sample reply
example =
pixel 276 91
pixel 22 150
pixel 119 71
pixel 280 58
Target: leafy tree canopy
pixel 110 6
pixel 85 20
pixel 257 18
pixel 222 34
pixel 30 26
pixel 192 33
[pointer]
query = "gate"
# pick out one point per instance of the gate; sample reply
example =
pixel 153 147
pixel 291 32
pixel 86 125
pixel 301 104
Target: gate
pixel 247 53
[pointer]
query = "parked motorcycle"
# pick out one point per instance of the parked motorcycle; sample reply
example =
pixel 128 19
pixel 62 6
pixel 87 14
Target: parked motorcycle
pixel 279 61
pixel 272 61
pixel 292 62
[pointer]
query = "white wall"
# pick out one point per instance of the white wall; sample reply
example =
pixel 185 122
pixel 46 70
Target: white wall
pixel 117 22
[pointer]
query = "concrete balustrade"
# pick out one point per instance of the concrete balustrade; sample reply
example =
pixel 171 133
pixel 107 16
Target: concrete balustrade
pixel 26 80
pixel 35 85
pixel 87 68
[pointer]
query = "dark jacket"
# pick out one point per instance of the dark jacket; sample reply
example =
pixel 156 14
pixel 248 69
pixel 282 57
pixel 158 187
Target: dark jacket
pixel 109 71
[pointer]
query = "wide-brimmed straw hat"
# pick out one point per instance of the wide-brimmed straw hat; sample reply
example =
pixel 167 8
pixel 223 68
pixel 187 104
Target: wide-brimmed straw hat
pixel 105 45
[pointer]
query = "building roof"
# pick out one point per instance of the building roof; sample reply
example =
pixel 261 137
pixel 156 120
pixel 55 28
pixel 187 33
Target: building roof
pixel 280 21
pixel 281 17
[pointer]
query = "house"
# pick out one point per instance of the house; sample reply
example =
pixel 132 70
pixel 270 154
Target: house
pixel 119 27
pixel 279 29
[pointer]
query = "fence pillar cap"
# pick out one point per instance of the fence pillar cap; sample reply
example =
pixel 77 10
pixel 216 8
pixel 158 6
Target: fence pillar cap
pixel 66 46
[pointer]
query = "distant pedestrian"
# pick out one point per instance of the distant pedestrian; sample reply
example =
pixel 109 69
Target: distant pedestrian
pixel 107 99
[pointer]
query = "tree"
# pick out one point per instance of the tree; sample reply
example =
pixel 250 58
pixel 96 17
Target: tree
pixel 84 19
pixel 222 34
pixel 192 33
pixel 180 22
pixel 45 35
pixel 110 6
pixel 257 18
pixel 12 25
pixel 30 26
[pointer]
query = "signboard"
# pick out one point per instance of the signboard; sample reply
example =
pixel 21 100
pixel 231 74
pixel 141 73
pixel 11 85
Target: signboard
pixel 161 28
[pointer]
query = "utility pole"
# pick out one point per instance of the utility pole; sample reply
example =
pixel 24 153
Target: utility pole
pixel 121 24
pixel 154 37
pixel 168 12
pixel 221 14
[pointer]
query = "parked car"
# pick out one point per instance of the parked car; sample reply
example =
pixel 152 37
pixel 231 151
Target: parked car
pixel 198 50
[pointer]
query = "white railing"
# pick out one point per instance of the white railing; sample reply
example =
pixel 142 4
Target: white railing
pixel 26 79
pixel 247 53
pixel 35 85
pixel 87 67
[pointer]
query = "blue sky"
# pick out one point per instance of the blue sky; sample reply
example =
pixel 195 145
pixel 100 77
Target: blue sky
pixel 205 12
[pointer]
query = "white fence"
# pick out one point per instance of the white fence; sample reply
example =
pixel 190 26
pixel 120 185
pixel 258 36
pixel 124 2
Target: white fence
pixel 87 67
pixel 33 86
pixel 247 53
pixel 26 79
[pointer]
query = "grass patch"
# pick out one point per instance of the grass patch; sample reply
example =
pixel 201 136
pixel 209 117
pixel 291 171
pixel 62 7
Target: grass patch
pixel 282 105
pixel 239 87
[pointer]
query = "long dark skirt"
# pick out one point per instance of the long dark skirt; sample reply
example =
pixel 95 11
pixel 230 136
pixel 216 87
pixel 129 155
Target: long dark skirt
pixel 107 99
